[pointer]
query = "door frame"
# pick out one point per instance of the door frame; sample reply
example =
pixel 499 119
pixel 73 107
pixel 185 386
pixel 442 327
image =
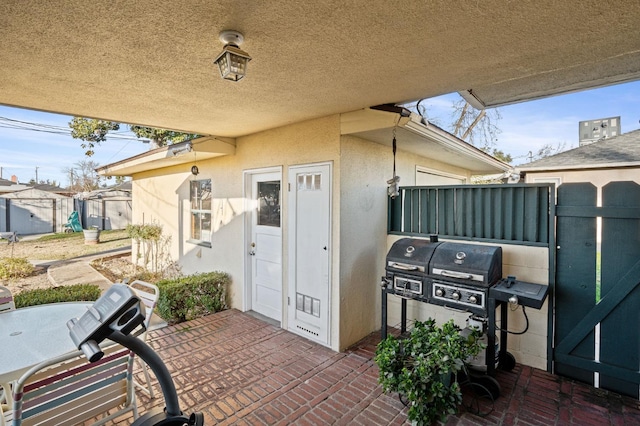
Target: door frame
pixel 430 171
pixel 291 253
pixel 247 299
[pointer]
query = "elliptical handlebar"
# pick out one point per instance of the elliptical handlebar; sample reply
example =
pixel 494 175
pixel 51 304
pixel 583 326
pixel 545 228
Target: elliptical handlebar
pixel 114 316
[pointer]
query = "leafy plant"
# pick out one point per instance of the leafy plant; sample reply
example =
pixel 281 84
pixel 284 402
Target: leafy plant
pixel 69 293
pixel 152 249
pixel 15 267
pixel 190 297
pixel 423 367
pixel 93 132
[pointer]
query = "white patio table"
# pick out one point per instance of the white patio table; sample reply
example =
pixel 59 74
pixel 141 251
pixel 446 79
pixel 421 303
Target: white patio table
pixel 34 334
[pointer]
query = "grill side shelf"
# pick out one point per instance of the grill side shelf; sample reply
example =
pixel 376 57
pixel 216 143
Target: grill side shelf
pixel 530 295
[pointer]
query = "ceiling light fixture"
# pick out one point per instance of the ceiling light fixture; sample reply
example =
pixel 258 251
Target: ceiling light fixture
pixel 233 61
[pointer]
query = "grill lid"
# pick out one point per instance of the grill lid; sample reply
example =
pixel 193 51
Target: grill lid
pixel 468 262
pixel 410 255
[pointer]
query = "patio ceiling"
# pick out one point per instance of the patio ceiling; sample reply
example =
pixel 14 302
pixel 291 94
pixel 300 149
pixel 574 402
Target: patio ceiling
pixel 150 62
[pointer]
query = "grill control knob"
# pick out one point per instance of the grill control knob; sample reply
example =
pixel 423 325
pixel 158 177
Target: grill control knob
pixel 439 292
pixel 455 295
pixel 473 299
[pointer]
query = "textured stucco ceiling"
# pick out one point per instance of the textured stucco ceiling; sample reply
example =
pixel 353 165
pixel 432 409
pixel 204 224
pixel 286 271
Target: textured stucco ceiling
pixel 150 62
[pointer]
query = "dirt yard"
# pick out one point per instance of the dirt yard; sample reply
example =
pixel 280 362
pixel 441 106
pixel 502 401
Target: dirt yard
pixel 63 246
pixel 42 251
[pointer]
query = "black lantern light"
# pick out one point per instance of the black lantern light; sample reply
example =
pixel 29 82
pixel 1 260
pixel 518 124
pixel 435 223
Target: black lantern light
pixel 233 61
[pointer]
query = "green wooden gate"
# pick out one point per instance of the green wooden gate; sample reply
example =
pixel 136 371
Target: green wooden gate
pixel 597 293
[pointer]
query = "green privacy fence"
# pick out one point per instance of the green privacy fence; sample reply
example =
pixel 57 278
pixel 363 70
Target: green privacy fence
pixel 512 214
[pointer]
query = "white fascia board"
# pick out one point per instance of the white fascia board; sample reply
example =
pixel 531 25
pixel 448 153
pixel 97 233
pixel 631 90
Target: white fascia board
pixel 456 145
pixel 579 167
pixel 201 149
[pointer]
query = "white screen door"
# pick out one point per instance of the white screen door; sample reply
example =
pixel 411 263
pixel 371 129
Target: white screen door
pixel 309 251
pixel 265 245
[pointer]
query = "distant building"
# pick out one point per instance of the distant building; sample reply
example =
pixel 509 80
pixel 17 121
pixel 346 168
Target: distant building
pixel 8 186
pixel 591 131
pixel 611 159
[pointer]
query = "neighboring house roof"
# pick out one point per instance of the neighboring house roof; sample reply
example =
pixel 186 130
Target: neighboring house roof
pixel 618 151
pixel 32 193
pixel 48 187
pixel 124 186
pixel 9 186
pixel 106 193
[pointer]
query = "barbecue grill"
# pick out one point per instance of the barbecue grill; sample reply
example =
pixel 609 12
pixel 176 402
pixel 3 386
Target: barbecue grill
pixel 460 276
pixel 455 275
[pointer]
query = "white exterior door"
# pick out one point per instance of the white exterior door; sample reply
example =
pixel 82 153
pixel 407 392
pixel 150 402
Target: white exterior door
pixel 309 251
pixel 265 245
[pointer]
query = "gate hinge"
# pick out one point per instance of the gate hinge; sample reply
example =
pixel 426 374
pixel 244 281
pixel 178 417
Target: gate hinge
pixel 289 186
pixel 288 301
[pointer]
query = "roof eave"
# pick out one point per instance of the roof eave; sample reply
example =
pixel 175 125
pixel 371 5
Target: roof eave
pixel 201 149
pixel 376 124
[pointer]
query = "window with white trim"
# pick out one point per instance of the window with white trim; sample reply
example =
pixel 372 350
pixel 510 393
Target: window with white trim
pixel 200 196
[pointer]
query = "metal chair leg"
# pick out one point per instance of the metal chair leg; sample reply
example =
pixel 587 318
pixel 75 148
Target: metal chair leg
pixel 148 389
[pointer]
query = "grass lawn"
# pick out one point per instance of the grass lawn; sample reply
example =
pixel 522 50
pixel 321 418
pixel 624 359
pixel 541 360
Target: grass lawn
pixel 64 246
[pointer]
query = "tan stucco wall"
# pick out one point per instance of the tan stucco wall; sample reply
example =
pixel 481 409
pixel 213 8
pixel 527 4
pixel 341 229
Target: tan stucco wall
pixel 365 169
pixel 526 263
pixel 359 213
pixel 163 195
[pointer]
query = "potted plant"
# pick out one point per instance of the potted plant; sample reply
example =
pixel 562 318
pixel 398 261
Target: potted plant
pixel 422 368
pixel 91 235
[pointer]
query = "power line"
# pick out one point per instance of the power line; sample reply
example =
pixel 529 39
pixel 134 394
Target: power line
pixel 9 123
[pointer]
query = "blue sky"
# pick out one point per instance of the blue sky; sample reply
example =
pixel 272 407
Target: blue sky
pixel 525 127
pixel 21 151
pixel 528 126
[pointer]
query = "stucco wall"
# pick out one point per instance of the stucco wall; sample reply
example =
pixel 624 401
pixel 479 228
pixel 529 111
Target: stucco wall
pixel 359 213
pixel 529 264
pixel 163 196
pixel 365 169
pixel 598 177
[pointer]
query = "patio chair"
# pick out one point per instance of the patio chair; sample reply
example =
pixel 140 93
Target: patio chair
pixel 6 300
pixel 148 294
pixel 69 390
pixel 6 304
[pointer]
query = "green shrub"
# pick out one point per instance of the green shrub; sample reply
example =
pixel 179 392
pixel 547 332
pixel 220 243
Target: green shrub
pixel 69 293
pixel 421 366
pixel 15 267
pixel 144 232
pixel 193 296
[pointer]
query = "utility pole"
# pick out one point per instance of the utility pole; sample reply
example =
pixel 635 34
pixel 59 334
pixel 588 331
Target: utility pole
pixel 37 174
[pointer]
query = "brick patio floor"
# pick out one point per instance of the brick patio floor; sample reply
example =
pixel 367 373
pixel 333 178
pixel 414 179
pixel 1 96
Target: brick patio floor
pixel 239 370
